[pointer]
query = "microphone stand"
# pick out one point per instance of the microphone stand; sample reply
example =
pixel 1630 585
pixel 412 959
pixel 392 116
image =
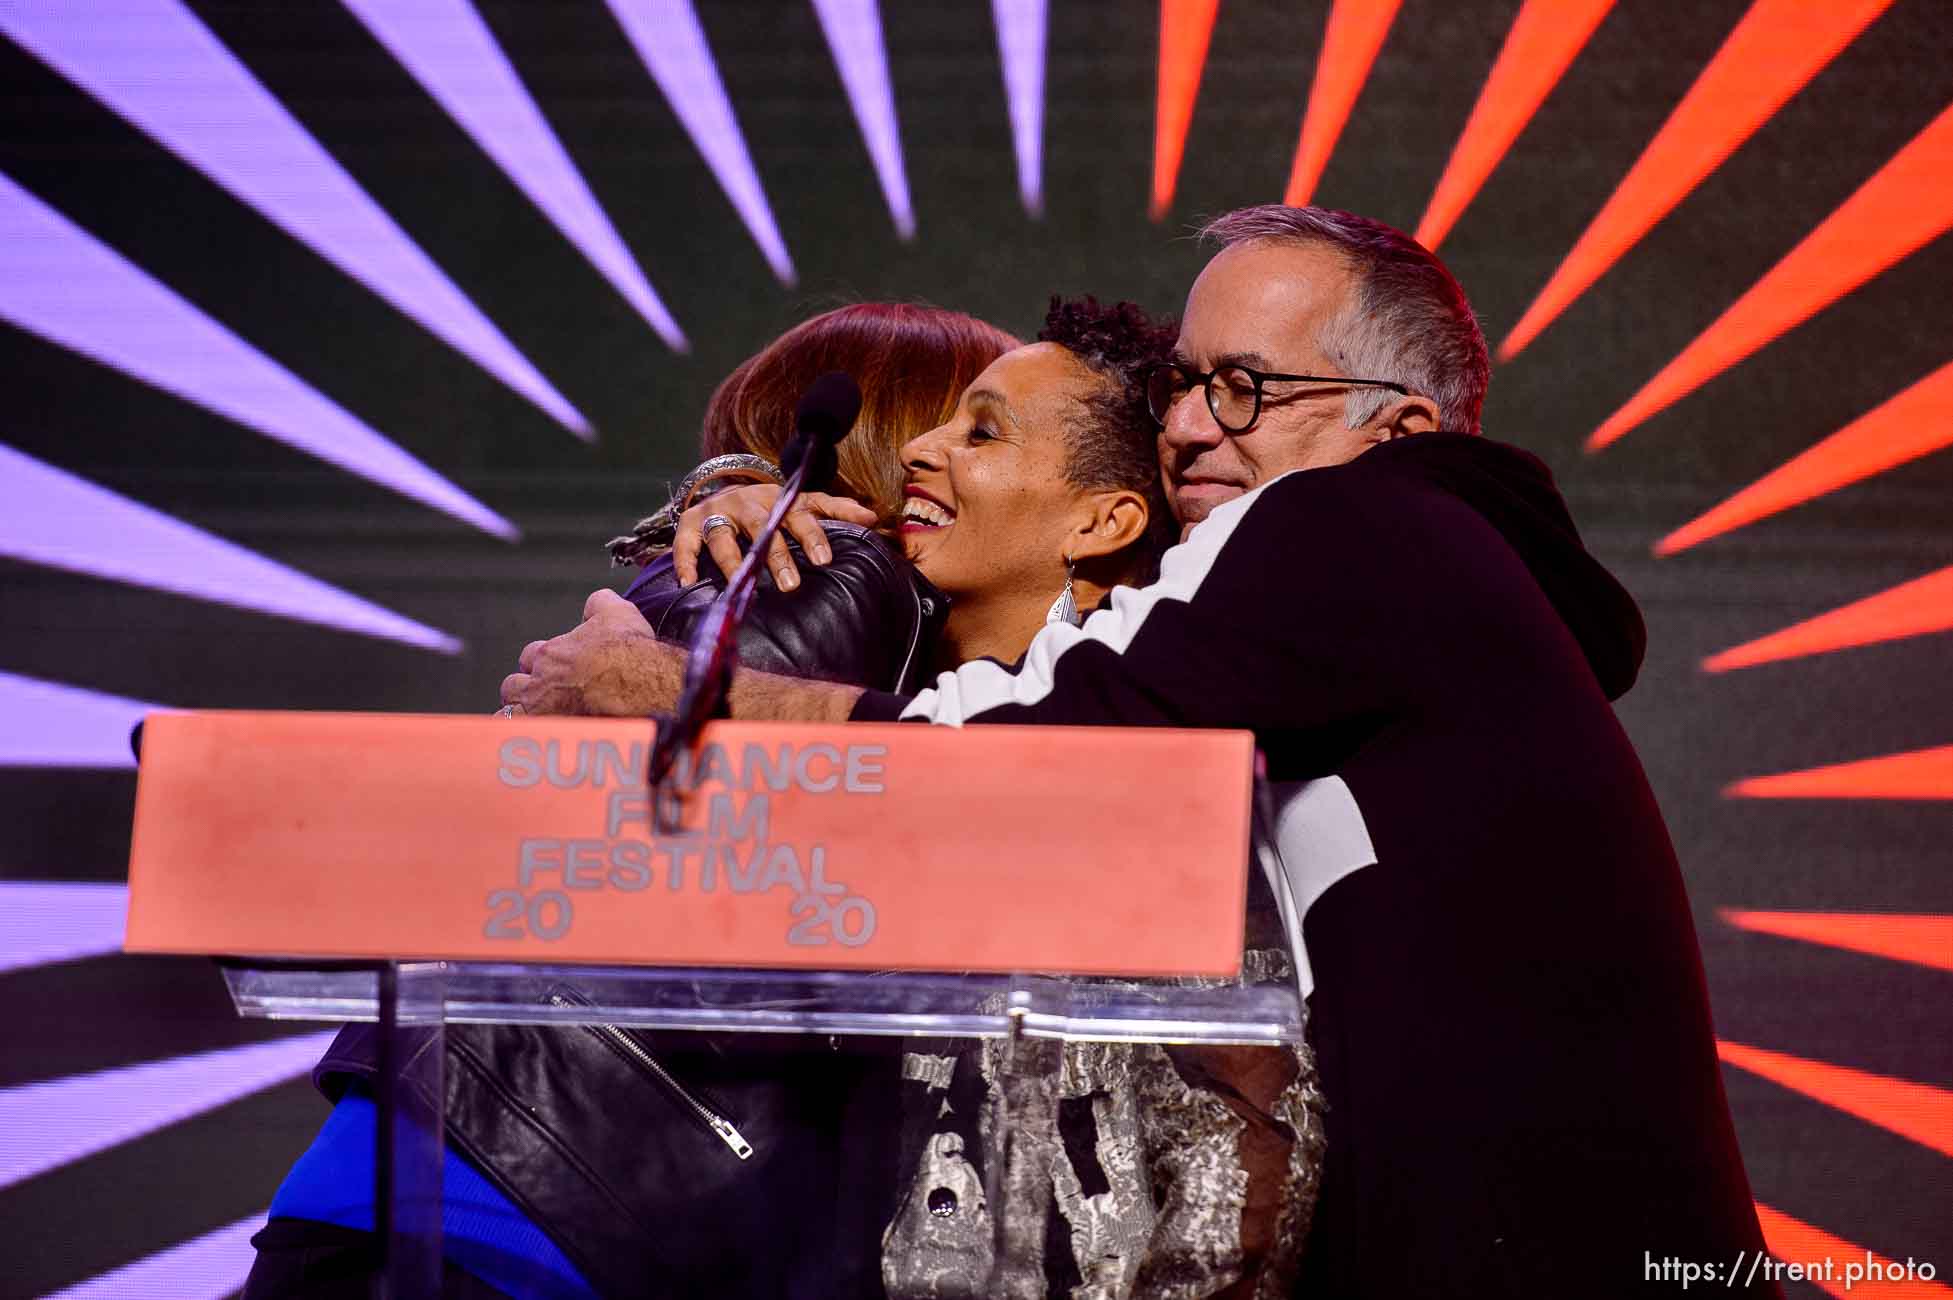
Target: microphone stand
pixel 714 651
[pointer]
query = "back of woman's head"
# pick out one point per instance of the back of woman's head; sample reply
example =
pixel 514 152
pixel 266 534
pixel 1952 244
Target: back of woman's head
pixel 911 362
pixel 1116 445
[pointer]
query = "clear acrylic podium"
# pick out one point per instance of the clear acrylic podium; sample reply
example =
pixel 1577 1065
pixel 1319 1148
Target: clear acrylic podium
pixel 332 858
pixel 413 1001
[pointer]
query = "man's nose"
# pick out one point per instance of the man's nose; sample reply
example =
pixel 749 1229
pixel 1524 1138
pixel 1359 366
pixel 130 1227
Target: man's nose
pixel 1190 426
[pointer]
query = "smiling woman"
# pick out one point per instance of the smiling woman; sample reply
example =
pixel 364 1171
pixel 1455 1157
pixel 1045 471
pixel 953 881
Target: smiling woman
pixel 1039 493
pixel 863 618
pixel 910 363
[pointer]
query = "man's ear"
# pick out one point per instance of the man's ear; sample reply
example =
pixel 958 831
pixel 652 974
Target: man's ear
pixel 1114 519
pixel 1406 415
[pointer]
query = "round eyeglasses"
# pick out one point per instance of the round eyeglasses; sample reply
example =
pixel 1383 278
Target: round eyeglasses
pixel 1233 391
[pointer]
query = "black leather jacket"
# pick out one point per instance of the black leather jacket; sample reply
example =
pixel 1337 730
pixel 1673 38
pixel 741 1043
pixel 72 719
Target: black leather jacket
pixel 600 1134
pixel 865 618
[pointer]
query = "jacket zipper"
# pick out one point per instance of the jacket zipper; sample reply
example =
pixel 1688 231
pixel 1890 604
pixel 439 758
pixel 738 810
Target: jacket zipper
pixel 712 1119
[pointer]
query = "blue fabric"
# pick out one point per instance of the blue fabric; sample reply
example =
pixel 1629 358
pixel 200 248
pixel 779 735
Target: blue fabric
pixel 481 1229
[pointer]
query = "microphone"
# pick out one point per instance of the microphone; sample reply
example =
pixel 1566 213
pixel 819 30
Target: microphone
pixel 826 412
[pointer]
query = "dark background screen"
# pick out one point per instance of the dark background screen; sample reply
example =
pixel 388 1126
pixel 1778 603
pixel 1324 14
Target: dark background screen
pixel 450 291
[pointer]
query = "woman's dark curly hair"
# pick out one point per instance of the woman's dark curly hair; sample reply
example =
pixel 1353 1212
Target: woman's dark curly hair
pixel 1117 444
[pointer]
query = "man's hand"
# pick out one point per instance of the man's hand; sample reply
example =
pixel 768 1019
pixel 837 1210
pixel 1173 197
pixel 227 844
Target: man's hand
pixel 609 665
pixel 613 666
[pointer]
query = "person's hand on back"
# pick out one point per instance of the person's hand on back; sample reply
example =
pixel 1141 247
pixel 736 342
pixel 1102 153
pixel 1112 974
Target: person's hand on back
pixel 747 508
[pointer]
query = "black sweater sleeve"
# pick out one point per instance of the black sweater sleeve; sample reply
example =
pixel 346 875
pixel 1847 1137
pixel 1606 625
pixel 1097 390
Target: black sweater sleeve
pixel 1288 606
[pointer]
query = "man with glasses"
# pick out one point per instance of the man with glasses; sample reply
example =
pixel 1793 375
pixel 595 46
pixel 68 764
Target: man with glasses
pixel 1505 992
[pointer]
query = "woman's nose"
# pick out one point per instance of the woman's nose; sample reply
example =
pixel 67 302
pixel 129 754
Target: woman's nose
pixel 922 452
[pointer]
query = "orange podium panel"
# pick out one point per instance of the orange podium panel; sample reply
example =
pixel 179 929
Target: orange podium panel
pixel 1082 850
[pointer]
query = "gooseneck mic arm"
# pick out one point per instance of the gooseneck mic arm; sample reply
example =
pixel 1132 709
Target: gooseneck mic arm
pixel 826 412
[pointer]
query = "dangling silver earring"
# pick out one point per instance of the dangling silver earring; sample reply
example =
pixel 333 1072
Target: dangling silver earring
pixel 1065 608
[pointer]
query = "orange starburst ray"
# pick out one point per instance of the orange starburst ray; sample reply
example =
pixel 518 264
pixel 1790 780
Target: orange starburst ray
pixel 1349 47
pixel 1921 774
pixel 1797 1242
pixel 1186 27
pixel 1926 940
pixel 1915 1111
pixel 1916 422
pixel 1912 609
pixel 1543 40
pixel 1777 47
pixel 1908 203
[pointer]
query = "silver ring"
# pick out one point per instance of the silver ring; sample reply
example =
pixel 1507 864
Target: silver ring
pixel 507 710
pixel 717 521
